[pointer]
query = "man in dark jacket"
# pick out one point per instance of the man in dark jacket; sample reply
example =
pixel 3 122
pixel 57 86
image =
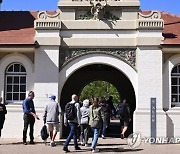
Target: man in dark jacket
pixel 29 117
pixel 125 117
pixel 112 108
pixel 3 111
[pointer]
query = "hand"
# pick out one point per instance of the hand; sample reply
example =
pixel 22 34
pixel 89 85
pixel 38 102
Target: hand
pixel 37 117
pixel 129 119
pixel 78 125
pixel 65 124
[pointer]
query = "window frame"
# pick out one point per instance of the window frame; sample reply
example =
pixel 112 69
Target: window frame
pixel 21 73
pixel 175 75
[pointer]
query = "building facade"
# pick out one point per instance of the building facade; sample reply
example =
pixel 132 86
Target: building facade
pixel 60 52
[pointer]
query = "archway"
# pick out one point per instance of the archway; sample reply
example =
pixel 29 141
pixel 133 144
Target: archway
pixel 89 73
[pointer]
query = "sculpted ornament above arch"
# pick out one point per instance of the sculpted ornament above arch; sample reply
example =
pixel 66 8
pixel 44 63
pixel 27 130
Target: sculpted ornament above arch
pixel 126 55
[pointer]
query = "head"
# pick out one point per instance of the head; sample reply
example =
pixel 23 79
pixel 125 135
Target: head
pixel 53 97
pixel 31 95
pixel 95 101
pixel 102 100
pixel 86 103
pixel 1 99
pixel 124 100
pixel 110 98
pixel 74 97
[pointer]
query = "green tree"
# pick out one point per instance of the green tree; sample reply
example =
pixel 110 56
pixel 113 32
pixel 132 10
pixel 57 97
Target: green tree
pixel 99 89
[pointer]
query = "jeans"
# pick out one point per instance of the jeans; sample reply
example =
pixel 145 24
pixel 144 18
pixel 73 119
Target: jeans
pixel 103 129
pixel 84 133
pixel 108 118
pixel 72 134
pixel 28 120
pixel 95 138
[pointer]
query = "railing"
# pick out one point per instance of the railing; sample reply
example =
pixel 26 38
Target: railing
pixel 47 24
pixel 150 24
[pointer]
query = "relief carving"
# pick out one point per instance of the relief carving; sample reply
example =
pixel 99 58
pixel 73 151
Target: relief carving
pixel 98 9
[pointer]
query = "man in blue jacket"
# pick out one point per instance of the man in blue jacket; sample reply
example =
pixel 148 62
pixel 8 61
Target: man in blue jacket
pixel 29 117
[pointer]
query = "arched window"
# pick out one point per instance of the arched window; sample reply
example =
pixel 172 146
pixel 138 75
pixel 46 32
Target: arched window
pixel 175 85
pixel 15 82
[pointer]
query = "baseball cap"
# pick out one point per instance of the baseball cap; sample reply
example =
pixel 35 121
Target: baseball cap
pixel 52 97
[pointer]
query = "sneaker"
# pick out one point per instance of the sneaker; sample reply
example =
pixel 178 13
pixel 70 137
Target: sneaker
pixel 31 142
pixel 52 144
pixel 95 150
pixel 66 149
pixel 82 143
pixel 103 137
pixel 87 145
pixel 25 143
pixel 77 148
pixel 122 136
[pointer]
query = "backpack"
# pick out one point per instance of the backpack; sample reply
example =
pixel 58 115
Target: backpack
pixel 122 110
pixel 70 111
pixel 85 117
pixel 44 133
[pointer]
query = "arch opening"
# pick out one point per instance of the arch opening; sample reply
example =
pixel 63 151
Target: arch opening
pixel 102 72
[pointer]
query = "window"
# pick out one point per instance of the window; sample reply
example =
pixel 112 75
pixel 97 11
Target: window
pixel 175 85
pixel 15 86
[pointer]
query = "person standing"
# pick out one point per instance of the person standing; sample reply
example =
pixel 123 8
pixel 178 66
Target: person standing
pixel 106 109
pixel 97 119
pixel 125 117
pixel 112 108
pixel 72 117
pixel 84 123
pixel 3 112
pixel 51 117
pixel 29 117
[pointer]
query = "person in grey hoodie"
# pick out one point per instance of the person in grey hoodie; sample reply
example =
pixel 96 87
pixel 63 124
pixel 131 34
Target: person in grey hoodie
pixel 84 110
pixel 51 117
pixel 73 124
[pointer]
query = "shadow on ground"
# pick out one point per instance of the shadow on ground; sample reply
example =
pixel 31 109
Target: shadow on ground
pixel 119 150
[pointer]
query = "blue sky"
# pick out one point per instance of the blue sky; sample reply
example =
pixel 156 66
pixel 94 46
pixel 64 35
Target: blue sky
pixel 171 6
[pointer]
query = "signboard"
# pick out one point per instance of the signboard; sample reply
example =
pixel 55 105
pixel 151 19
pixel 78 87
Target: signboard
pixel 153 118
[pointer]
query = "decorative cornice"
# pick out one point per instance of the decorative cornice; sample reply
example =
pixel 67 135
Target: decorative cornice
pixel 150 21
pixel 127 55
pixel 152 15
pixel 47 21
pixel 44 15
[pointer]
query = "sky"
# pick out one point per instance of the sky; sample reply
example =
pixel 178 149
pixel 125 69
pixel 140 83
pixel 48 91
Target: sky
pixel 170 6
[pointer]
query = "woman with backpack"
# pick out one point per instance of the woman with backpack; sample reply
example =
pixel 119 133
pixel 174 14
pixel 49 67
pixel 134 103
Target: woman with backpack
pixel 84 110
pixel 97 118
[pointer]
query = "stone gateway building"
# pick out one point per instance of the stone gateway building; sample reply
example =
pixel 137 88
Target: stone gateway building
pixel 84 40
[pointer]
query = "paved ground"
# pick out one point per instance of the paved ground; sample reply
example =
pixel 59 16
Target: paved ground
pixel 108 145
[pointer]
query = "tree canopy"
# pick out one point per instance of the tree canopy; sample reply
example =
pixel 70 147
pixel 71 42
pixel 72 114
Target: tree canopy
pixel 100 89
